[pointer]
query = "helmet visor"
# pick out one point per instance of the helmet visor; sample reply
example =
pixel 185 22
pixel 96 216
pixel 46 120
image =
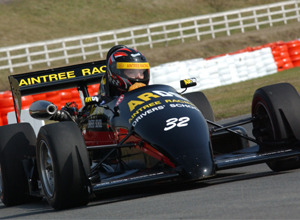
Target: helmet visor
pixel 134 70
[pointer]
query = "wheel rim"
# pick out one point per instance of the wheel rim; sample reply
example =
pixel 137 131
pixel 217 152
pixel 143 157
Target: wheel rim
pixel 265 123
pixel 47 171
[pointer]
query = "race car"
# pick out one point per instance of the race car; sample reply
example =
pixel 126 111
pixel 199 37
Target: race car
pixel 151 135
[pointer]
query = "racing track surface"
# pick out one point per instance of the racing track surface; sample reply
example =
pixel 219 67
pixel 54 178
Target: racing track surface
pixel 253 192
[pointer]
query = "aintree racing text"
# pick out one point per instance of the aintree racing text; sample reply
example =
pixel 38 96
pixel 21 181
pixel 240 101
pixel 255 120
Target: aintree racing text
pixel 47 78
pixel 143 108
pixel 61 76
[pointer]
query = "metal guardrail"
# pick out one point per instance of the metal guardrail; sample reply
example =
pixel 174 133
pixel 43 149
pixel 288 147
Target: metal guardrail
pixel 150 35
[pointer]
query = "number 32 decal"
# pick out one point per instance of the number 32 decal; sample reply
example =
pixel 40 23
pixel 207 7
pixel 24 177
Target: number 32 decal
pixel 179 122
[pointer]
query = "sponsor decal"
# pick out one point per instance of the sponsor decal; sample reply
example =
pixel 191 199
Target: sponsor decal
pixel 148 106
pixel 93 71
pixel 178 101
pixel 94 123
pixel 61 76
pixel 47 78
pixel 123 65
pixel 189 81
pixel 120 99
pixel 146 113
pixel 183 106
pixel 145 97
pixel 91 99
pixel 140 109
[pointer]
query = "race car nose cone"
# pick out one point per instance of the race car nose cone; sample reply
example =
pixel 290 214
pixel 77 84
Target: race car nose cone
pixel 199 172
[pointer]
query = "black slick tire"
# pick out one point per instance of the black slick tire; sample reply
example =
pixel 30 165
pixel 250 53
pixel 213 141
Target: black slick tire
pixel 277 109
pixel 17 142
pixel 202 103
pixel 63 165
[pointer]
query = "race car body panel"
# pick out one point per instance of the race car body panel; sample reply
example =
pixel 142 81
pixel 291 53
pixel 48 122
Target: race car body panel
pixel 157 111
pixel 134 179
pixel 253 155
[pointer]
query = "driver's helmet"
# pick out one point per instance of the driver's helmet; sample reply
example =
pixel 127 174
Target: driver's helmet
pixel 127 66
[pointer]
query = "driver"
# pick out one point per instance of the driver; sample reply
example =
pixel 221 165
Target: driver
pixel 127 69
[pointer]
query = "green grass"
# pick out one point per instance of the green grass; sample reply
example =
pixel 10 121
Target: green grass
pixel 24 21
pixel 235 99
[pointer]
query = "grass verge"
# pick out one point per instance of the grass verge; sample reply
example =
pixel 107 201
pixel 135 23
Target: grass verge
pixel 235 99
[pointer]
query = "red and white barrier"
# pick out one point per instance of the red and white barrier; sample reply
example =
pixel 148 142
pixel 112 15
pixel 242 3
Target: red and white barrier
pixel 224 69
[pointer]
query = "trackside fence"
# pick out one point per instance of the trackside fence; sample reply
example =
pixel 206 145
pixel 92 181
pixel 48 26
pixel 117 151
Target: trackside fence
pixel 94 46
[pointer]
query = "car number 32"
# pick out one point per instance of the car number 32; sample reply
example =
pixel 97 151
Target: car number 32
pixel 173 122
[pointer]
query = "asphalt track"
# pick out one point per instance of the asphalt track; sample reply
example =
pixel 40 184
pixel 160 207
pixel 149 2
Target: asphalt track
pixel 252 192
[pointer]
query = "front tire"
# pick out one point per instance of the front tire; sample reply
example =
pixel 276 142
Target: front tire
pixel 276 107
pixel 17 142
pixel 202 103
pixel 63 165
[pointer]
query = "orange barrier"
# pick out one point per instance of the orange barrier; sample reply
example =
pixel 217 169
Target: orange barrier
pixel 282 56
pixel 6 100
pixel 294 51
pixel 27 101
pixel 65 96
pixel 53 97
pixel 3 113
pixel 41 96
pixel 93 89
pixel 286 54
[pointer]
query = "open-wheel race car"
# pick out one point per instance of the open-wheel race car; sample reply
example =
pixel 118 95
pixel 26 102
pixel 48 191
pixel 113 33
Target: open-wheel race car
pixel 151 135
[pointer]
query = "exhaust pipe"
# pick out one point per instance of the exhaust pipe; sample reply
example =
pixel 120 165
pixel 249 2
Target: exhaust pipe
pixel 42 110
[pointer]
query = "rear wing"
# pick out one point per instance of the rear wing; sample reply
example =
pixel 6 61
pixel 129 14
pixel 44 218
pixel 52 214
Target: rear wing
pixel 80 76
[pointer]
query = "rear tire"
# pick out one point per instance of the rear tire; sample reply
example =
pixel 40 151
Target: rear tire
pixel 63 165
pixel 17 142
pixel 202 103
pixel 276 107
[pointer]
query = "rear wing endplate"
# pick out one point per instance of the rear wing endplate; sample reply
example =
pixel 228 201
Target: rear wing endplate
pixel 75 76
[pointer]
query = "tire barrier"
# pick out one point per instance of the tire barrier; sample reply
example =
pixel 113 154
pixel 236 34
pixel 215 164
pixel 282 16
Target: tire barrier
pixel 65 96
pixel 26 101
pixel 224 69
pixel 294 52
pixel 59 98
pixel 6 105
